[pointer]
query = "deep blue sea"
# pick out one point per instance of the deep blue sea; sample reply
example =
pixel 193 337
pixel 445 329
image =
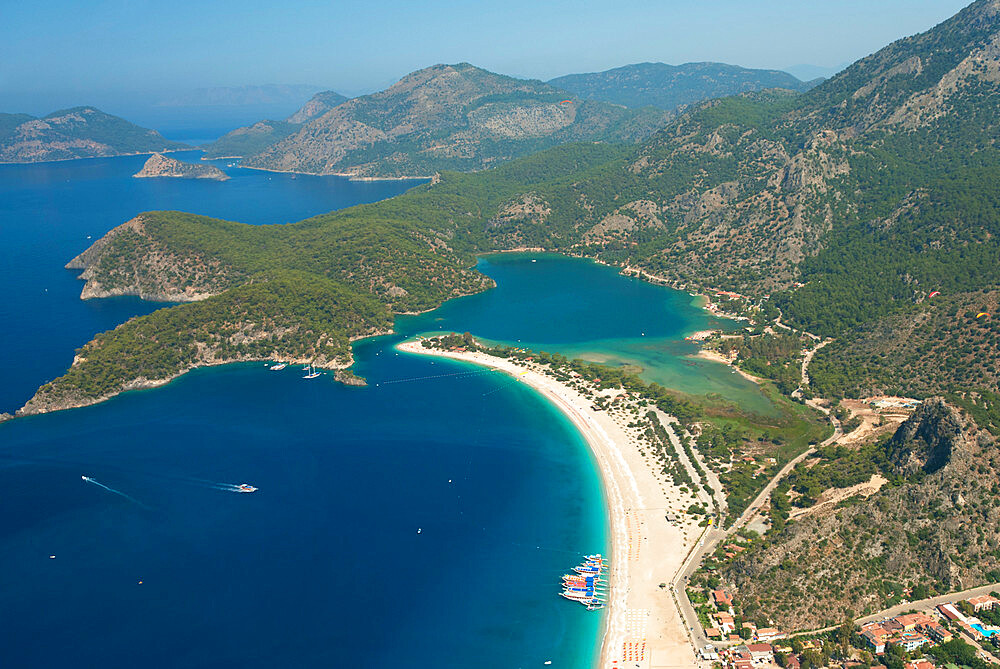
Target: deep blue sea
pixel 421 521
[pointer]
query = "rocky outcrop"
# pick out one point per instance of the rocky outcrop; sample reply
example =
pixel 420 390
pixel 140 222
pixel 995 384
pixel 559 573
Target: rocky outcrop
pixel 925 441
pixel 160 165
pixel 934 527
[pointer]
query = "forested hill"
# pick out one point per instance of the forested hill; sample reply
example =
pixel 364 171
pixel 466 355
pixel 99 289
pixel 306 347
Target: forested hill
pixel 252 139
pixel 671 86
pixel 446 117
pixel 874 190
pixel 80 132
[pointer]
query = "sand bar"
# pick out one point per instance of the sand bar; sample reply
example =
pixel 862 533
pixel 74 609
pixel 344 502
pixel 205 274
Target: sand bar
pixel 642 626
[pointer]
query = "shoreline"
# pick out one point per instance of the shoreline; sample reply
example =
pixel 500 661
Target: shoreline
pixel 646 550
pixel 343 175
pixel 715 356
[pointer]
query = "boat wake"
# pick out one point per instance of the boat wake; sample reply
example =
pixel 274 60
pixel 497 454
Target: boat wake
pixel 112 490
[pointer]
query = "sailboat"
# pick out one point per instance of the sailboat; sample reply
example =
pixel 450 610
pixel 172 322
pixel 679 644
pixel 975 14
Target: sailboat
pixel 312 373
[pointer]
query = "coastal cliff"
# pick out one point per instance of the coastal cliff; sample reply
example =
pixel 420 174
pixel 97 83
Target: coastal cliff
pixel 146 267
pixel 160 165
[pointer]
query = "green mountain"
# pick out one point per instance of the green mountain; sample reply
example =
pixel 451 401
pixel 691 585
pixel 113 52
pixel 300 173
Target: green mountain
pixel 672 86
pixel 80 132
pixel 873 190
pixel 318 105
pixel 930 529
pixel 249 140
pixel 456 117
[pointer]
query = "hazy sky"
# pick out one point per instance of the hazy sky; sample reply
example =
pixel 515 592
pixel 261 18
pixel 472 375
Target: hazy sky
pixel 63 50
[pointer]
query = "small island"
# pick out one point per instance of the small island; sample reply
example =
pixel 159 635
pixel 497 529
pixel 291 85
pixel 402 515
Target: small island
pixel 160 165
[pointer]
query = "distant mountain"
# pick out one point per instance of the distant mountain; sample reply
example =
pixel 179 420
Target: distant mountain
pixel 320 104
pixel 672 86
pixel 80 132
pixel 807 72
pixel 242 95
pixel 456 117
pixel 249 140
pixel 252 139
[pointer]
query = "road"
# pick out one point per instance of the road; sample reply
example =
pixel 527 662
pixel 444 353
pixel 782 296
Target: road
pixel 713 536
pixel 928 603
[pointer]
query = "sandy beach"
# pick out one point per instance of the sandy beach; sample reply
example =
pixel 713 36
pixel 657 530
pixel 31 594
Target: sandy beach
pixel 642 625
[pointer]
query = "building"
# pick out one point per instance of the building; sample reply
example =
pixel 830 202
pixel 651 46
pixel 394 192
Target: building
pixel 988 602
pixel 725 622
pixel 767 634
pixel 875 636
pixel 919 664
pixel 909 641
pixel 722 598
pixel 912 621
pixel 761 652
pixel 937 632
pixel 950 612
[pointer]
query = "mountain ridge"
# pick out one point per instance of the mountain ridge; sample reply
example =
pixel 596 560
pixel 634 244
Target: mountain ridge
pixel 76 132
pixel 670 87
pixel 447 117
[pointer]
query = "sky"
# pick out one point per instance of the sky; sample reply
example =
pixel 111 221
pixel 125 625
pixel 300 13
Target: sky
pixel 62 53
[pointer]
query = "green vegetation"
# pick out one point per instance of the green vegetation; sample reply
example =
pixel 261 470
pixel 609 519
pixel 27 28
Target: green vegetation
pixel 773 356
pixel 287 315
pixel 80 132
pixel 672 86
pixel 251 140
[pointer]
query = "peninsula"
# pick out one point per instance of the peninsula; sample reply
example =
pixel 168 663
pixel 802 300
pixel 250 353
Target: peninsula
pixel 160 165
pixel 80 132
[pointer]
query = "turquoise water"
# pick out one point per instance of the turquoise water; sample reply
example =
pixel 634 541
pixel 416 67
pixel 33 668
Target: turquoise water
pixel 581 309
pixel 985 632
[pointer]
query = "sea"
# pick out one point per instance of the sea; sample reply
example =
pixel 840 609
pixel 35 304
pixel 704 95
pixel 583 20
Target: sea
pixel 422 521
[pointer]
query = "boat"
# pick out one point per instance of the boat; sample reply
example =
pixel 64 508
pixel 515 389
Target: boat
pixel 312 374
pixel 280 365
pixel 245 487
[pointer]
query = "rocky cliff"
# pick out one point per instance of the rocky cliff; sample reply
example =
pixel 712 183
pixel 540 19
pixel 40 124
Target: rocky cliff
pixel 160 165
pixel 318 105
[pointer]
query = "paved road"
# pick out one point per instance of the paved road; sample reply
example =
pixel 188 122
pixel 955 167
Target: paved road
pixel 928 603
pixel 713 536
